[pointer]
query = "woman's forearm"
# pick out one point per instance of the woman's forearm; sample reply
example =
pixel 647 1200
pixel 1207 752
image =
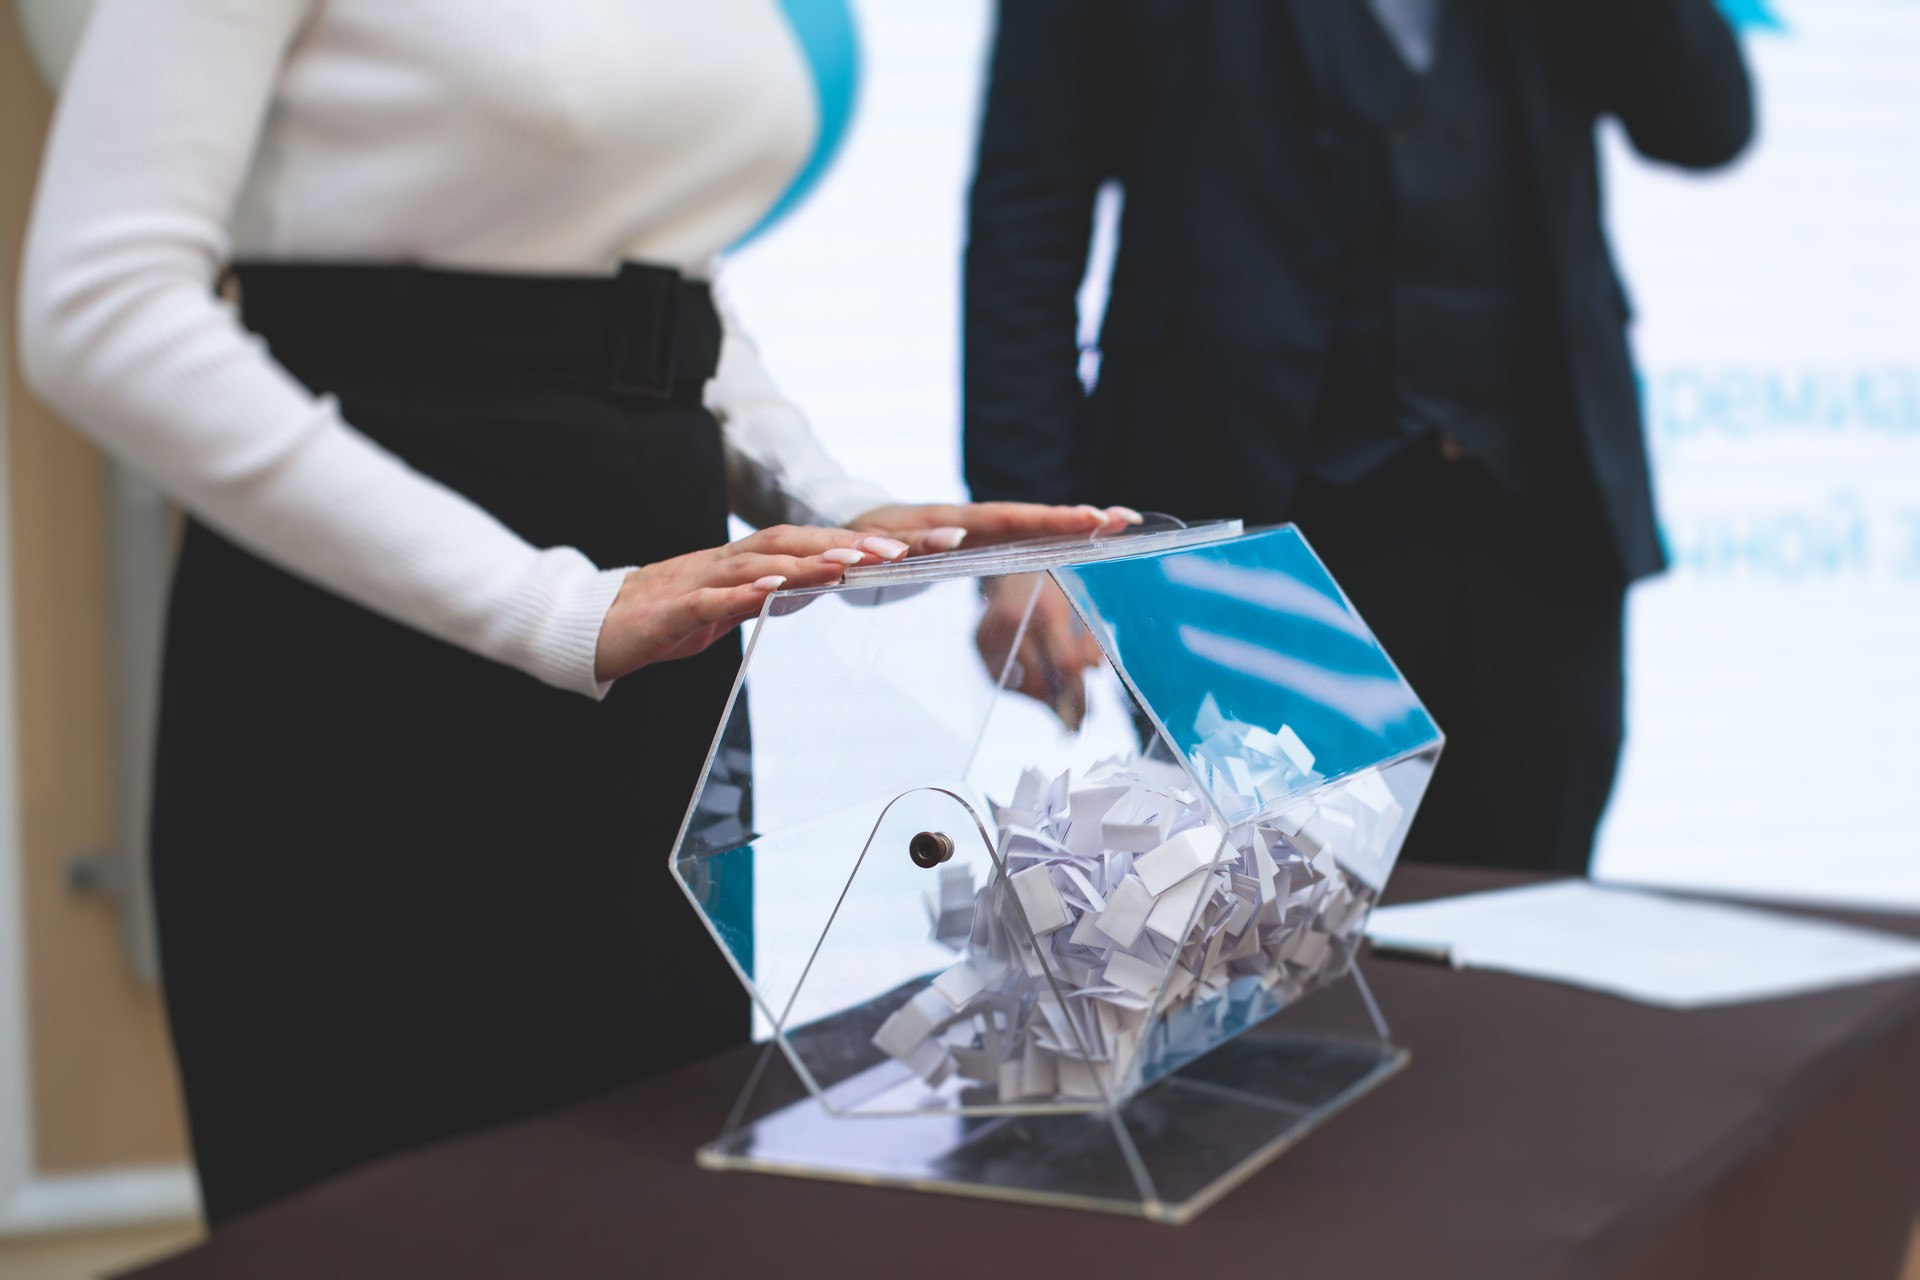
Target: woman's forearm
pixel 120 331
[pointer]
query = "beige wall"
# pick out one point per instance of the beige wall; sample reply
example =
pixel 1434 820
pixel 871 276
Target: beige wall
pixel 104 1090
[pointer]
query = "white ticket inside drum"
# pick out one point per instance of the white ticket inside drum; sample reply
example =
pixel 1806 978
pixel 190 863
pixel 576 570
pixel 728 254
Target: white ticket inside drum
pixel 1129 901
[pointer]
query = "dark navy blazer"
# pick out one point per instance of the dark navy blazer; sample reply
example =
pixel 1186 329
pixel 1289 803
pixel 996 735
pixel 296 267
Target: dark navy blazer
pixel 1206 111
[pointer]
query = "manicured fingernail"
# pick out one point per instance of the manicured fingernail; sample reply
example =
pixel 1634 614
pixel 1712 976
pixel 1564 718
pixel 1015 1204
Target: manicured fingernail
pixel 885 548
pixel 1128 514
pixel 946 539
pixel 1093 511
pixel 842 555
pixel 772 582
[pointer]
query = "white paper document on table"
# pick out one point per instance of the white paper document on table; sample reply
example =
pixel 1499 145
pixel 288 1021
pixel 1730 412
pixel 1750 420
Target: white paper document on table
pixel 1665 951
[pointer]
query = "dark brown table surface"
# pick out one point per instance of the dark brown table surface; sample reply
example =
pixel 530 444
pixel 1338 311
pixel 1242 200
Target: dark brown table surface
pixel 1540 1131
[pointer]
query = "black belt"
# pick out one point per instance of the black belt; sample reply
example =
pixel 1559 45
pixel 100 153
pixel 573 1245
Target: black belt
pixel 645 332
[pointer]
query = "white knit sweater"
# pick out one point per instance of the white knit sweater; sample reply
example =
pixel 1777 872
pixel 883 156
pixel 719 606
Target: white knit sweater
pixel 555 136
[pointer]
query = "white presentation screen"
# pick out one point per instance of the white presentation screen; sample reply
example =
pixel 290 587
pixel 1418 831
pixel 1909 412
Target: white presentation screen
pixel 1774 712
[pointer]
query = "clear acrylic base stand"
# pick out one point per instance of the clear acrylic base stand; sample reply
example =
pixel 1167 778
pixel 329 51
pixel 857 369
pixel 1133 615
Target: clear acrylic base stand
pixel 1165 1154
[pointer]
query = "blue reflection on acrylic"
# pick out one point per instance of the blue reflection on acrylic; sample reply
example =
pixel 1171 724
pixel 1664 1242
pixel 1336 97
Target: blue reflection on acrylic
pixel 1257 625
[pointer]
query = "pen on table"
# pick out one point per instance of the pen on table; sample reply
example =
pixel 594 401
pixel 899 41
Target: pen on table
pixel 1406 951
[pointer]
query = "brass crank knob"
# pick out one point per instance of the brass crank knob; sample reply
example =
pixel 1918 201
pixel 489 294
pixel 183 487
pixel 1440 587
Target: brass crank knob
pixel 930 848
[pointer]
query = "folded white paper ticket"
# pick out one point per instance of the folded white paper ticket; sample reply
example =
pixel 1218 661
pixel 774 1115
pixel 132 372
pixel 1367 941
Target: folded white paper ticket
pixel 1127 919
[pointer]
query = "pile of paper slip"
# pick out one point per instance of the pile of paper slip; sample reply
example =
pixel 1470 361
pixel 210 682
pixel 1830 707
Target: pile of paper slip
pixel 1117 917
pixel 1245 766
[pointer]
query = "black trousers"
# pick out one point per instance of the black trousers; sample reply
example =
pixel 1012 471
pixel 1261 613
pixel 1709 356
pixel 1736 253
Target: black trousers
pixel 1508 625
pixel 404 892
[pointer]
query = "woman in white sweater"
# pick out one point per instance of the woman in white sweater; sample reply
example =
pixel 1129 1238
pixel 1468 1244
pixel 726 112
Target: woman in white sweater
pixel 487 425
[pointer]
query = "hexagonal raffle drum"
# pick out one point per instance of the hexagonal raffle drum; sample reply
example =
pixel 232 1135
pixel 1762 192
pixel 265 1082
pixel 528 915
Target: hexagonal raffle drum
pixel 1008 942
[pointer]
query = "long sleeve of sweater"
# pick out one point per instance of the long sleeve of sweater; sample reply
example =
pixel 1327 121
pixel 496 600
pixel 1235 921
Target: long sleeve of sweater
pixel 777 471
pixel 122 332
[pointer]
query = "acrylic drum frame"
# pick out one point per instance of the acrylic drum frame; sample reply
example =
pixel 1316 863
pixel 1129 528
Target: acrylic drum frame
pixel 1007 918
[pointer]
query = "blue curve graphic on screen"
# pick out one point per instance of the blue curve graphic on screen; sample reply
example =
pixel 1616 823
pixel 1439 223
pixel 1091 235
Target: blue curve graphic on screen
pixel 1757 14
pixel 830 40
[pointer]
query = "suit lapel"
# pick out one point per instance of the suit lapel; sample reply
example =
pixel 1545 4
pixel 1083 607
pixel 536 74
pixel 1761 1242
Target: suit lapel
pixel 1526 46
pixel 1267 90
pixel 1317 54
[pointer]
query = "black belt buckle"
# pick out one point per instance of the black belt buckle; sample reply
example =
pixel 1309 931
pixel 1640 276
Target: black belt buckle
pixel 645 336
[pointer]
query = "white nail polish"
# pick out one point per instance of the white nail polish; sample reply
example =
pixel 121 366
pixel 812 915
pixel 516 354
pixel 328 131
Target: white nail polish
pixel 842 555
pixel 946 539
pixel 772 582
pixel 1128 514
pixel 885 548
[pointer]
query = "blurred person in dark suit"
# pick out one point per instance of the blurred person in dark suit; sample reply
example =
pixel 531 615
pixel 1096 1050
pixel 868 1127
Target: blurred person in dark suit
pixel 1362 284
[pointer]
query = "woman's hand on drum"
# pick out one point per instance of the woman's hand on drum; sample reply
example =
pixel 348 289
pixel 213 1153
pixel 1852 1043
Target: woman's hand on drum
pixel 1055 649
pixel 937 526
pixel 675 608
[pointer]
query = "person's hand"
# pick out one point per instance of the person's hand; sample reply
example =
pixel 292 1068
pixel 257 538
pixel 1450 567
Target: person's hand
pixel 937 526
pixel 1053 653
pixel 675 608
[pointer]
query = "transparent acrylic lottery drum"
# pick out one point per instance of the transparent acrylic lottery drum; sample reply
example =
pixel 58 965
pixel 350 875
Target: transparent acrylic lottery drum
pixel 1005 907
